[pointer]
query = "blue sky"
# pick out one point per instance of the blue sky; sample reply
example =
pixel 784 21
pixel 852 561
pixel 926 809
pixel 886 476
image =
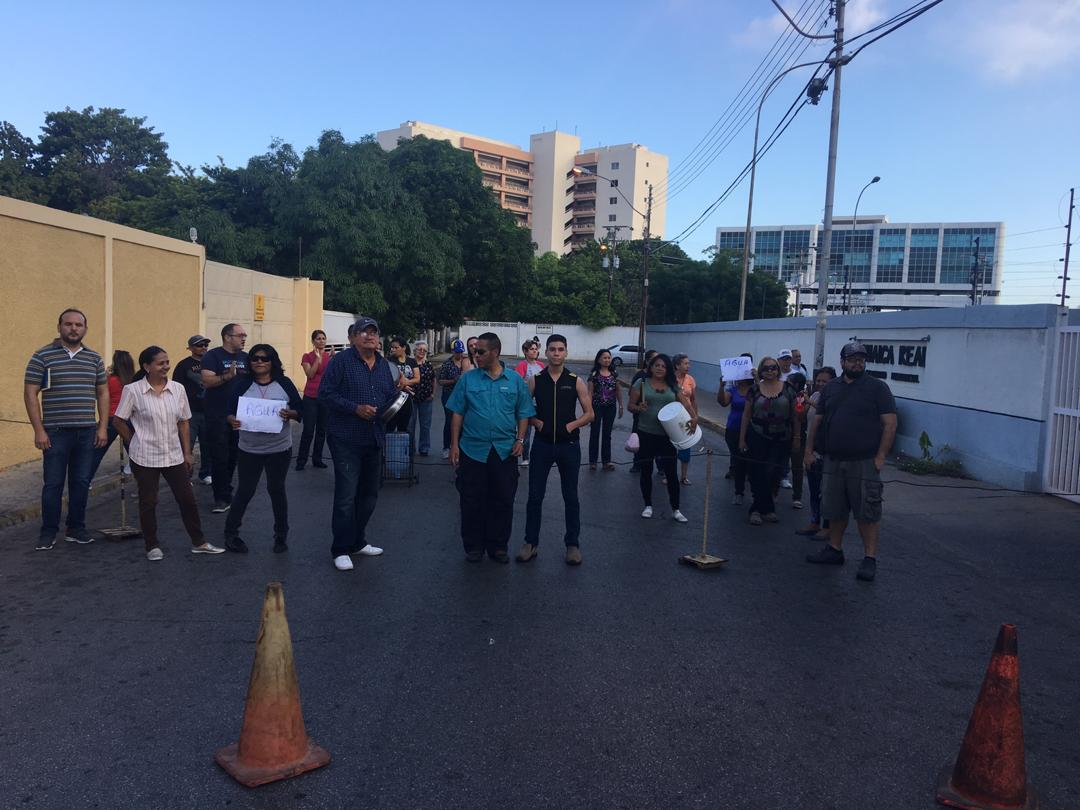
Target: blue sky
pixel 969 113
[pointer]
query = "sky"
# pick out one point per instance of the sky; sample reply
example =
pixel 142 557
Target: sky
pixel 969 113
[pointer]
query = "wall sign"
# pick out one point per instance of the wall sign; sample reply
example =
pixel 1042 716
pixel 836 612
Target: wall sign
pixel 260 307
pixel 907 358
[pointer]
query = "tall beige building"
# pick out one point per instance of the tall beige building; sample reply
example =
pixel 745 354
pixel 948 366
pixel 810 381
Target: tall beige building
pixel 540 188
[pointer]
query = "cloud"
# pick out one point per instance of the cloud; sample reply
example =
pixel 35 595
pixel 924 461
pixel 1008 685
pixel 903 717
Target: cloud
pixel 1022 38
pixel 861 14
pixel 762 31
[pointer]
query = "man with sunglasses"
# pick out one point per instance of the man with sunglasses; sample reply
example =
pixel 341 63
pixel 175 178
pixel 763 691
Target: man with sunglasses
pixel 188 373
pixel 853 427
pixel 223 367
pixel 357 388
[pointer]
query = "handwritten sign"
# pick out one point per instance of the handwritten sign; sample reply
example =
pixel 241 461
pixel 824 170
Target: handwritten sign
pixel 736 368
pixel 258 415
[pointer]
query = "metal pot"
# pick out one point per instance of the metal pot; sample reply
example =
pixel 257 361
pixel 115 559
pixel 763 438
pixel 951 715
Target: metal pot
pixel 395 407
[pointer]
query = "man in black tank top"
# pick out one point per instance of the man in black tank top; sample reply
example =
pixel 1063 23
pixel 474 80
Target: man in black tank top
pixel 557 392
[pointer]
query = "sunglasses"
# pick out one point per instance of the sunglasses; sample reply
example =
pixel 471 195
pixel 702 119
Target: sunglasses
pixel 260 358
pixel 770 368
pixel 480 351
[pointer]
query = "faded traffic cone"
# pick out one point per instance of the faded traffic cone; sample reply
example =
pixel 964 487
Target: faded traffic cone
pixel 273 742
pixel 989 771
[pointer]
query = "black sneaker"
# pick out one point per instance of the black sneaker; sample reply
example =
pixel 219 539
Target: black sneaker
pixel 80 536
pixel 45 542
pixel 500 557
pixel 280 545
pixel 220 506
pixel 236 545
pixel 321 465
pixel 867 569
pixel 299 466
pixel 827 556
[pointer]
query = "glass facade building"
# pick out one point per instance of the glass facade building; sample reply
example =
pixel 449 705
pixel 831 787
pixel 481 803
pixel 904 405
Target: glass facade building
pixel 876 264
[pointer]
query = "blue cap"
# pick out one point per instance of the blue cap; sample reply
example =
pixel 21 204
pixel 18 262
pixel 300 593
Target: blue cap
pixel 458 346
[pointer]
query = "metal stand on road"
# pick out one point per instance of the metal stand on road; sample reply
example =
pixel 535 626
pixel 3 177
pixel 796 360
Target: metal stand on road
pixel 704 560
pixel 123 531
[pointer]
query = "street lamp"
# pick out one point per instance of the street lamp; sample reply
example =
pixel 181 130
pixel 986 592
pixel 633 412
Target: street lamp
pixel 578 171
pixel 753 175
pixel 851 238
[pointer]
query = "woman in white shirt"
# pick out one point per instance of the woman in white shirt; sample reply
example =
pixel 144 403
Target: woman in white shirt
pixel 153 417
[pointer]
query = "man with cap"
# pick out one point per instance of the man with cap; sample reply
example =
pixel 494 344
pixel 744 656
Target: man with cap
pixel 188 373
pixel 449 373
pixel 783 357
pixel 357 388
pixel 853 428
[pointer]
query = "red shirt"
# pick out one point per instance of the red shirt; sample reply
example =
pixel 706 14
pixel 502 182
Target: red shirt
pixel 311 387
pixel 116 388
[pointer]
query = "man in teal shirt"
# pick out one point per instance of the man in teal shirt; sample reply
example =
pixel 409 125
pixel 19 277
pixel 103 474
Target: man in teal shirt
pixel 491 409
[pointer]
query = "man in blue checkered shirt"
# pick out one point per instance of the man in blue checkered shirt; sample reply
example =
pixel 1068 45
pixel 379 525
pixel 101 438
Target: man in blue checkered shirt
pixel 357 388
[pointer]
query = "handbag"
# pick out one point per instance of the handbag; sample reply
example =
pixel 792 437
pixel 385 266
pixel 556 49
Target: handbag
pixel 633 444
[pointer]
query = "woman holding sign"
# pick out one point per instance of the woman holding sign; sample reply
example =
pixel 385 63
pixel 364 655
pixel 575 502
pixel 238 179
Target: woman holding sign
pixel 735 395
pixel 152 418
pixel 261 411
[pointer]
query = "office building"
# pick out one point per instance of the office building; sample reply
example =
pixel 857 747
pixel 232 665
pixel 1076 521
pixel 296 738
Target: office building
pixel 879 265
pixel 539 187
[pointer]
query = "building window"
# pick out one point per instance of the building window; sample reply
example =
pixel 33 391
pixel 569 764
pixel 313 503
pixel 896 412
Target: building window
pixel 890 257
pixel 958 254
pixel 613 200
pixel 767 252
pixel 646 164
pixel 796 254
pixel 614 183
pixel 615 166
pixel 610 217
pixel 922 256
pixel 730 240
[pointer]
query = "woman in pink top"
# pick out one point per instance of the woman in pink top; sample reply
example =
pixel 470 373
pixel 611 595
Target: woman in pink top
pixel 527 369
pixel 314 416
pixel 153 418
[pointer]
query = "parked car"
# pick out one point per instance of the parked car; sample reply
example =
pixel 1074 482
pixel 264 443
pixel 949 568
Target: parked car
pixel 623 353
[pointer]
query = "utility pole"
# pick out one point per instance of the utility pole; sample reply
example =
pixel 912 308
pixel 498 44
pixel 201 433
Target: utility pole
pixel 830 188
pixel 975 273
pixel 645 279
pixel 1068 244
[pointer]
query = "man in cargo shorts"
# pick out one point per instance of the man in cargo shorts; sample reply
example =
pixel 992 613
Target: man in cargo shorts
pixel 853 428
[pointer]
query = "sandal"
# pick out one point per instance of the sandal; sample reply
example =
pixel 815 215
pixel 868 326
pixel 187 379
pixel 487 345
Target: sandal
pixel 609 467
pixel 592 467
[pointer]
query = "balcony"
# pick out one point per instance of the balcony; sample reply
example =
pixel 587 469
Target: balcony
pixel 583 227
pixel 581 209
pixel 489 164
pixel 585 193
pixel 516 203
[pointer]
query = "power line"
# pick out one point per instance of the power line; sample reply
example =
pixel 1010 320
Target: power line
pixel 896 27
pixel 1037 230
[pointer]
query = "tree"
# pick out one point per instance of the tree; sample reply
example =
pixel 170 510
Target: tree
pixel 17 156
pixel 692 291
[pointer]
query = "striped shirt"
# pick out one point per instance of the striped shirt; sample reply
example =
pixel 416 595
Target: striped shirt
pixel 68 385
pixel 155 416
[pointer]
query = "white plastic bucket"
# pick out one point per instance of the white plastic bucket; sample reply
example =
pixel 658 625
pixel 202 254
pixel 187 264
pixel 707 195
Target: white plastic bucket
pixel 676 421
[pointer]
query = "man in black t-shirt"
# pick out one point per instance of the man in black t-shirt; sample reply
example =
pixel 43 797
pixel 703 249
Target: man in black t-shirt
pixel 188 373
pixel 854 426
pixel 223 368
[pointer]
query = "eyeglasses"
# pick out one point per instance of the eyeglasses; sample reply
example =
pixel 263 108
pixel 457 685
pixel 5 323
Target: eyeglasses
pixel 480 351
pixel 261 358
pixel 770 368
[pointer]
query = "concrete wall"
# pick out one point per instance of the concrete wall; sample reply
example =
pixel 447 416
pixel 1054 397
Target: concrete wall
pixel 137 289
pixel 582 343
pixel 982 388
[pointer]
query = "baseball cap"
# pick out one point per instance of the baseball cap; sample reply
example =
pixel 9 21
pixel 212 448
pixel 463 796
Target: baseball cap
pixel 783 353
pixel 195 340
pixel 458 346
pixel 363 323
pixel 855 347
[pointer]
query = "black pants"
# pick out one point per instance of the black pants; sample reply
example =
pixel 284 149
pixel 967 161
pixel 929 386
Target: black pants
pixel 738 461
pixel 222 440
pixel 767 457
pixel 659 450
pixel 250 467
pixel 314 428
pixel 487 490
pixel 600 433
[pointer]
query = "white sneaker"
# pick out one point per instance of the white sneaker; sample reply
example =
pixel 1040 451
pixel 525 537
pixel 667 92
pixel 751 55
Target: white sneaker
pixel 523 462
pixel 343 563
pixel 155 554
pixel 445 453
pixel 369 551
pixel 786 483
pixel 679 516
pixel 736 500
pixel 207 479
pixel 796 504
pixel 207 548
pixel 646 512
pixel 127 468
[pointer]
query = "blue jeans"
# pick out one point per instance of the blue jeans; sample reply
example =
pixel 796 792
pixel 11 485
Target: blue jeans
pixel 424 418
pixel 567 457
pixel 356 490
pixel 69 459
pixel 197 428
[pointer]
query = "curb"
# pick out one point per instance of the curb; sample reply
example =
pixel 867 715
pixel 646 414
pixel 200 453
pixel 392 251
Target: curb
pixel 24 514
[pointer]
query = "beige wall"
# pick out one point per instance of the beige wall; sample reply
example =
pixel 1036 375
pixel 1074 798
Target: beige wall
pixel 137 289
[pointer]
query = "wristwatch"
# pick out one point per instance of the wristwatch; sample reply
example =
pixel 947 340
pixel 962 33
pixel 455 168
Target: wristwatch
pixel 519 441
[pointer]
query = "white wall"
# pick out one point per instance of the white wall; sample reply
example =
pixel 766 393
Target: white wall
pixel 582 343
pixel 336 325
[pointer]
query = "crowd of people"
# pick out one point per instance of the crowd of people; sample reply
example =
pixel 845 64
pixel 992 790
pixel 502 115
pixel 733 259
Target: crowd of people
pixel 239 406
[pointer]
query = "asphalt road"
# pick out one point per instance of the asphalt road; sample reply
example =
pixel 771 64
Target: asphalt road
pixel 629 682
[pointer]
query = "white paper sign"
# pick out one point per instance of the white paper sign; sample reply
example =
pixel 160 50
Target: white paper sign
pixel 736 368
pixel 258 415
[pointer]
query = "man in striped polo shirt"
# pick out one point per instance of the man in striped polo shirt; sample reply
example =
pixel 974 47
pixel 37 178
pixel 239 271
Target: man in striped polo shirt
pixel 70 420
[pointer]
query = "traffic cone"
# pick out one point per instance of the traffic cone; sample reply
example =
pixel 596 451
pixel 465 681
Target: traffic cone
pixel 989 772
pixel 273 742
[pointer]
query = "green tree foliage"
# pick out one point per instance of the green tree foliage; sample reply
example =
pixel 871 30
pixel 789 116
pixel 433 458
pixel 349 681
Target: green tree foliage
pixel 692 291
pixel 18 177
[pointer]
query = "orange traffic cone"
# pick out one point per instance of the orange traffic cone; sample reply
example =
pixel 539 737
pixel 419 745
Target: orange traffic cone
pixel 273 742
pixel 989 771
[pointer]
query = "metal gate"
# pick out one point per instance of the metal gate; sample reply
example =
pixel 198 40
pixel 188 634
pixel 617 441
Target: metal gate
pixel 1063 440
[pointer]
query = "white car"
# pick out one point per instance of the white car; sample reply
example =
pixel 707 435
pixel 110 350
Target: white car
pixel 623 353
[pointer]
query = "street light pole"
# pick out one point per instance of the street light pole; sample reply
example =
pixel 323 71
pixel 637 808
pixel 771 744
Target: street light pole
pixel 851 238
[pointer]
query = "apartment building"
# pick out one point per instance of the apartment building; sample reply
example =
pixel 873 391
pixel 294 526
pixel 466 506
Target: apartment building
pixel 540 188
pixel 875 264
